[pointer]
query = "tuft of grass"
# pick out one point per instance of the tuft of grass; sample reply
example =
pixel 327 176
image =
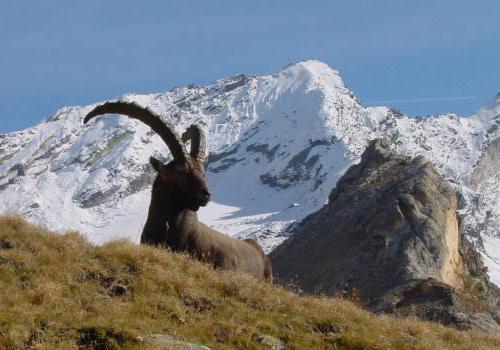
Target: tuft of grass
pixel 60 292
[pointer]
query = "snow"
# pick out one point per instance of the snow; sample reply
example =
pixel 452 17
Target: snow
pixel 278 144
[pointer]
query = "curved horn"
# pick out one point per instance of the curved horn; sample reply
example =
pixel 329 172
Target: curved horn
pixel 198 143
pixel 148 117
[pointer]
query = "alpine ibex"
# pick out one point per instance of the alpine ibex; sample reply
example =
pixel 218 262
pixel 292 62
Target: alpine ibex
pixel 179 190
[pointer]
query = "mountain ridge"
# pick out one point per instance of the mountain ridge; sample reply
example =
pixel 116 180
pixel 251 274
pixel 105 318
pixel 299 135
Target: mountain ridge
pixel 390 235
pixel 278 143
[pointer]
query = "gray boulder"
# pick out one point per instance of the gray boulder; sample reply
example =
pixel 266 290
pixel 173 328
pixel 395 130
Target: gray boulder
pixel 171 343
pixel 390 235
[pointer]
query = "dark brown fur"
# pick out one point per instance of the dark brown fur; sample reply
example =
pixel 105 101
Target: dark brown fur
pixel 173 222
pixel 218 249
pixel 178 192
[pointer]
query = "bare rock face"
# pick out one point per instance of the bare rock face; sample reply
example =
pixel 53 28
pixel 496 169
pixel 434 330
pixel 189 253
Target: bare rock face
pixel 390 234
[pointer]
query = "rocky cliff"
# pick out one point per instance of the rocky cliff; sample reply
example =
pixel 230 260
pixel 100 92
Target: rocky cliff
pixel 390 234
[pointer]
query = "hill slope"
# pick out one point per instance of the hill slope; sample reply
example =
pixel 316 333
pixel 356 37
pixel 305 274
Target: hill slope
pixel 57 291
pixel 278 144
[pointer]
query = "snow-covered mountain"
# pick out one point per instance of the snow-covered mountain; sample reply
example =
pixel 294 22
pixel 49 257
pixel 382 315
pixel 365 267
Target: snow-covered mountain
pixel 277 143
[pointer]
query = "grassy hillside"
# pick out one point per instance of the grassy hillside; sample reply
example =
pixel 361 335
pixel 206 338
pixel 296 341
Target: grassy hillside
pixel 58 291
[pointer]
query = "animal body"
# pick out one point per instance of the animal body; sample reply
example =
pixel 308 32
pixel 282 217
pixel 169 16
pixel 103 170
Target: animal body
pixel 179 190
pixel 216 248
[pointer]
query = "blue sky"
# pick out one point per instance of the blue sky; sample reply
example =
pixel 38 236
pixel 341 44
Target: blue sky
pixel 422 57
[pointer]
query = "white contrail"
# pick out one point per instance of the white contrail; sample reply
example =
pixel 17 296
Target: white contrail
pixel 426 99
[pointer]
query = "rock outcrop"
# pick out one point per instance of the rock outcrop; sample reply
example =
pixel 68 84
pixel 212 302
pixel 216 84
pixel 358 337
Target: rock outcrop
pixel 390 234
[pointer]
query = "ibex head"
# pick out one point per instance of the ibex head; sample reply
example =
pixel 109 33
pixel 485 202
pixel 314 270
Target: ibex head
pixel 184 177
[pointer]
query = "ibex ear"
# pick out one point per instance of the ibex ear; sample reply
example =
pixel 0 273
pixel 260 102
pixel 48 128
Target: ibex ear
pixel 155 163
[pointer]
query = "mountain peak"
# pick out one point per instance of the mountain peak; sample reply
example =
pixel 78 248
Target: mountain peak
pixel 313 70
pixel 311 65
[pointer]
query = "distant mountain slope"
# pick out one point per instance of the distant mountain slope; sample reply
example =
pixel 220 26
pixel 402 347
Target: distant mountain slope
pixel 278 144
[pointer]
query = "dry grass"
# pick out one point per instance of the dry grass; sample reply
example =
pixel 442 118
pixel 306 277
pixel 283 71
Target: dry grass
pixel 58 291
